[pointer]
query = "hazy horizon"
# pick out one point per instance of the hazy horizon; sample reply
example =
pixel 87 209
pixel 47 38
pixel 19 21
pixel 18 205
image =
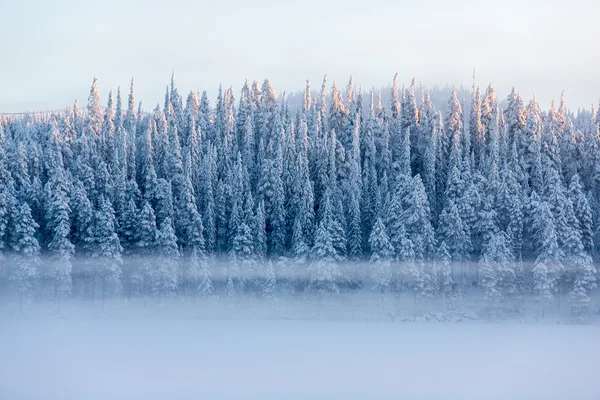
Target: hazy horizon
pixel 540 47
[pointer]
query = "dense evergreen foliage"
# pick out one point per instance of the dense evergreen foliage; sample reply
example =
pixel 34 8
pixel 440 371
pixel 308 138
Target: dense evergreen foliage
pixel 484 193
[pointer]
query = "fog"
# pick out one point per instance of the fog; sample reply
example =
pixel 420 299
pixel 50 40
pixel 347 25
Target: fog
pixel 289 342
pixel 284 289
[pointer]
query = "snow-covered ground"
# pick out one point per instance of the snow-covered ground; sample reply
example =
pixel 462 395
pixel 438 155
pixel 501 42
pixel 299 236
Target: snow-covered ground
pixel 184 358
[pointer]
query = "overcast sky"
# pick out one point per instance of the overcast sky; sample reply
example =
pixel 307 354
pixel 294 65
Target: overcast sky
pixel 51 50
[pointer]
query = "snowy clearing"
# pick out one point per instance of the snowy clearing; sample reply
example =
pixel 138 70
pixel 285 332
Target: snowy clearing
pixel 186 359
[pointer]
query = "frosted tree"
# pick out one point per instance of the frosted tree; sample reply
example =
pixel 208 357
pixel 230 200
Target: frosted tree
pixel 83 215
pixel 581 207
pixel 571 151
pixel 260 236
pixel 409 124
pixel 427 147
pixel 6 202
pixel 57 218
pixel 145 238
pixel 496 273
pixel 578 264
pixel 128 226
pixel 514 116
pixel 20 170
pixel 338 115
pixel 27 252
pixel 585 282
pixel 165 276
pixel 443 276
pixel 453 130
pixel 548 263
pixel 476 129
pixel 337 230
pixel 553 129
pixel 487 223
pixel 300 249
pixel 272 192
pixel 59 226
pixel 323 269
pixel 242 252
pixel 382 254
pixel 163 196
pixel 196 255
pixel 395 221
pixel 94 115
pixel 417 219
pixel 106 250
pixel 451 230
pixel 354 225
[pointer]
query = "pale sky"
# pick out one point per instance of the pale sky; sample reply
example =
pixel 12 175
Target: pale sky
pixel 51 50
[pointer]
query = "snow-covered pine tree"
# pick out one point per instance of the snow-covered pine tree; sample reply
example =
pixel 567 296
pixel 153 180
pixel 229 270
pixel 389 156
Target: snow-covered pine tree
pixel 416 218
pixel 496 271
pixel 476 128
pixel 27 251
pixel 548 263
pixel 323 270
pixel 58 224
pixel 443 275
pixel 382 254
pixel 451 231
pixel 165 276
pixel 83 215
pixel 198 272
pixel 106 250
pixel 583 212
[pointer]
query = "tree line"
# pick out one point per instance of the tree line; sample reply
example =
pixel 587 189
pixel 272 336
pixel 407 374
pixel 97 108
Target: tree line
pixel 504 198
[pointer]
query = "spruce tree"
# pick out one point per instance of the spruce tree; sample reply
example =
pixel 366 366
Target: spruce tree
pixel 548 263
pixel 165 276
pixel 443 270
pixel 59 225
pixel 382 254
pixel 27 251
pixel 496 272
pixel 106 249
pixel 323 270
pixel 583 213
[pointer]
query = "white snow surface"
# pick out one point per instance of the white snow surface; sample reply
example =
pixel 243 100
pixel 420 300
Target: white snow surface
pixel 184 358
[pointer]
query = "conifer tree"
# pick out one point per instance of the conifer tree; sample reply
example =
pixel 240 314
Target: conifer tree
pixel 145 238
pixel 496 275
pixel 444 275
pixel 476 129
pixel 417 219
pixel 260 237
pixel 27 252
pixel 198 272
pixel 451 231
pixel 106 249
pixel 583 213
pixel 165 276
pixel 83 215
pixel 59 225
pixel 382 253
pixel 323 270
pixel 548 263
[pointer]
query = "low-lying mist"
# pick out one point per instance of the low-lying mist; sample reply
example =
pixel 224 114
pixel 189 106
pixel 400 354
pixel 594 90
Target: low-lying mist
pixel 286 289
